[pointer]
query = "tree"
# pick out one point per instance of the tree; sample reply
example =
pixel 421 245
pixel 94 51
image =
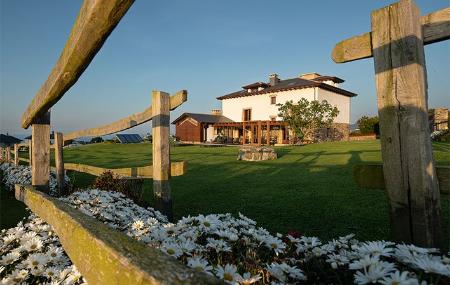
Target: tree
pixel 96 140
pixel 305 117
pixel 367 125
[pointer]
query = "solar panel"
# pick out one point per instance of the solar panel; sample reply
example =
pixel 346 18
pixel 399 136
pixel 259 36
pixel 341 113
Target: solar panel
pixel 129 138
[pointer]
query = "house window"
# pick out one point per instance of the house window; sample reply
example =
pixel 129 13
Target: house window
pixel 247 115
pixel 273 100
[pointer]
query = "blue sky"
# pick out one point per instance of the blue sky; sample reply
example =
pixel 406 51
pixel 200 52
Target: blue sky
pixel 208 47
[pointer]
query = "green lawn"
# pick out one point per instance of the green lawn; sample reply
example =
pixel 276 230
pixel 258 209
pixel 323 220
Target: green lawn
pixel 308 189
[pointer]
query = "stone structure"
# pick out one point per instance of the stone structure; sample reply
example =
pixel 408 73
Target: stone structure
pixel 438 119
pixel 337 132
pixel 256 153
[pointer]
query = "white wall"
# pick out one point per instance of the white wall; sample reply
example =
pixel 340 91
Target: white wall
pixel 263 110
pixel 343 103
pixel 210 136
pixel 260 104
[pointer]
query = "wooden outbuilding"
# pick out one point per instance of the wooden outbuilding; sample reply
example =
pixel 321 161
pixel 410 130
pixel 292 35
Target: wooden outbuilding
pixel 197 128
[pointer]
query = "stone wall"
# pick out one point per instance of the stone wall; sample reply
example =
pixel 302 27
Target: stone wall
pixel 338 132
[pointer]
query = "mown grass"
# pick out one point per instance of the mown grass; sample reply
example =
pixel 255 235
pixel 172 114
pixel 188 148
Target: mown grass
pixel 308 189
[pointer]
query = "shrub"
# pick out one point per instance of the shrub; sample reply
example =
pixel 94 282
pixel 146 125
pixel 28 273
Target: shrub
pixel 129 186
pixel 367 125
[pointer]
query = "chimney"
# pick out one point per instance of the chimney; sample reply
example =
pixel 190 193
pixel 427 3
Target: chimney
pixel 273 79
pixel 216 112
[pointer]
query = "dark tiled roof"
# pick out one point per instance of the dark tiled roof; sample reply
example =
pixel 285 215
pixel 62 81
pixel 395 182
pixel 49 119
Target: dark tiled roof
pixel 290 84
pixel 204 118
pixel 256 85
pixel 5 139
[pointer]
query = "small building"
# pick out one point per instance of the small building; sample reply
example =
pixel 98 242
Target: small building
pixel 197 128
pixel 7 140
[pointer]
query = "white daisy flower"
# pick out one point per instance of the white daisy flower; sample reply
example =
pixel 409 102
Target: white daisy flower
pixel 376 248
pixel 171 249
pixel 432 265
pixel 374 273
pixel 9 258
pixel 248 279
pixel 275 244
pixel 228 273
pixel 52 272
pixel 36 260
pixel 137 225
pixel 399 278
pixel 33 244
pixel 199 264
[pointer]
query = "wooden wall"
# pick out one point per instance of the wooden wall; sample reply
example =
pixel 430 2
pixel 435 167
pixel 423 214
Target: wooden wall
pixel 189 130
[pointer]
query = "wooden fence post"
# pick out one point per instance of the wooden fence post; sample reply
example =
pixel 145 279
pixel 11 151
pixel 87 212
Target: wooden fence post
pixel 59 162
pixel 30 152
pixel 161 152
pixel 8 154
pixel 16 154
pixel 408 165
pixel 40 152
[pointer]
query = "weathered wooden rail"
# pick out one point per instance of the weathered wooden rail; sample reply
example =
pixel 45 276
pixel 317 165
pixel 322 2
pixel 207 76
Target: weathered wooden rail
pixel 435 28
pixel 371 176
pixel 396 42
pixel 126 123
pixel 104 255
pixel 176 169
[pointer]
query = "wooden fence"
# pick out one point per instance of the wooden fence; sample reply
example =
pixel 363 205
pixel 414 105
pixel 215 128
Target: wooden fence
pixel 103 255
pixel 396 43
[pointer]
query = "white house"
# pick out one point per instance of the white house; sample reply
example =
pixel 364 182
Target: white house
pixel 250 115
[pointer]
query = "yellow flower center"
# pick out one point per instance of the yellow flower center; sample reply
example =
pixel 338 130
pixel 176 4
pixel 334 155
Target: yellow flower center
pixel 274 245
pixel 227 277
pixel 53 254
pixel 35 263
pixel 395 283
pixel 33 246
pixel 170 251
pixel 198 268
pixel 207 224
pixel 50 273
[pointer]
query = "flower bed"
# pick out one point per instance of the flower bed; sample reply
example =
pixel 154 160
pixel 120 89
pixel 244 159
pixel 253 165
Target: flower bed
pixel 21 174
pixel 231 248
pixel 31 254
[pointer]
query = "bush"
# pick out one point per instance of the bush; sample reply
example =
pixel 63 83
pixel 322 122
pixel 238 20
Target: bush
pixel 368 125
pixel 129 186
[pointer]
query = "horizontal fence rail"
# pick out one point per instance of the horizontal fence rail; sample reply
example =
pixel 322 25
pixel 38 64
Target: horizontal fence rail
pixel 371 176
pixel 95 22
pixel 128 122
pixel 176 169
pixel 435 28
pixel 104 255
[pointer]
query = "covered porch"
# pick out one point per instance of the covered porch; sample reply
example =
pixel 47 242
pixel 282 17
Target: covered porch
pixel 253 132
